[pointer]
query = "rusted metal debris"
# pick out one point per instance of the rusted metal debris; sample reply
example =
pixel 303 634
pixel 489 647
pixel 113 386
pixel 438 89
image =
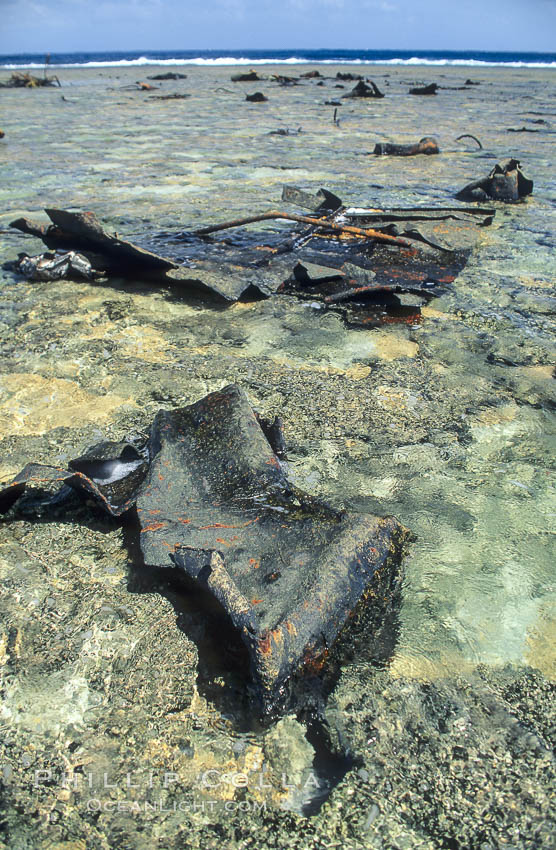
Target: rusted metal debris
pixel 84 232
pixel 25 80
pixel 470 136
pixel 50 266
pixel 321 201
pixel 212 501
pixel 169 75
pixel 174 96
pixel 414 253
pixel 322 224
pixel 506 182
pixel 140 86
pixel 246 77
pixel 286 131
pixel 282 80
pixel 426 145
pixel 431 89
pixel 365 89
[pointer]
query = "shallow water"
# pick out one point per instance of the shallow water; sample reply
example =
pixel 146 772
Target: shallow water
pixel 448 424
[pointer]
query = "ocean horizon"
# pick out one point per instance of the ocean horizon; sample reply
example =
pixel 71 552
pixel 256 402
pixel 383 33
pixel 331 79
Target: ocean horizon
pixel 100 59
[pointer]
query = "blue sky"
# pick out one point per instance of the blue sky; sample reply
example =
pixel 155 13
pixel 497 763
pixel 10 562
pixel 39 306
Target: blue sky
pixel 75 25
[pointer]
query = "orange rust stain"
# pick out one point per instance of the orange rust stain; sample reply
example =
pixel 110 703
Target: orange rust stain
pixel 405 320
pixel 156 526
pixel 313 662
pixel 254 563
pixel 405 273
pixel 183 520
pixel 290 627
pixel 256 601
pixel 172 546
pixel 160 477
pixel 224 542
pixel 413 319
pixel 264 644
pixel 153 512
pixel 223 525
pixel 272 461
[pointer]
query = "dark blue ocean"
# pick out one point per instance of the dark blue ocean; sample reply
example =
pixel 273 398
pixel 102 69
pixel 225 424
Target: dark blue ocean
pixel 253 57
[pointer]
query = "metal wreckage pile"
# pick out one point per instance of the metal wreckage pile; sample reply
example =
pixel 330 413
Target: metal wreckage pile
pixel 371 265
pixel 208 492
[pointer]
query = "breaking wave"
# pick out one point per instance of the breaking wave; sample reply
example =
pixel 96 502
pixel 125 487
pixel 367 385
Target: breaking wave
pixel 259 57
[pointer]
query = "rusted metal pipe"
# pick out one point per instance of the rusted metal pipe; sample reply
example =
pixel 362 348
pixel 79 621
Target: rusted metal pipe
pixel 366 233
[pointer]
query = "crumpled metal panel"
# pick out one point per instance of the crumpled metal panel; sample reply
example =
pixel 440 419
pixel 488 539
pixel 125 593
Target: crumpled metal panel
pixel 213 499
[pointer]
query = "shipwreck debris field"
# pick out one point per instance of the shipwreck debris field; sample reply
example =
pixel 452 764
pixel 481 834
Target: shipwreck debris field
pixel 444 421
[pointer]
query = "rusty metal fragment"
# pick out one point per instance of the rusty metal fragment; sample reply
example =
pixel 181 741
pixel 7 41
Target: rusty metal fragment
pixel 365 89
pixel 25 80
pixel 506 182
pixel 322 201
pixel 83 231
pixel 348 76
pixel 325 224
pixel 169 75
pixel 213 500
pixel 285 131
pixel 426 145
pixel 245 77
pixel 430 89
pixel 50 266
pixel 282 80
pixel 174 96
pixel 470 136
